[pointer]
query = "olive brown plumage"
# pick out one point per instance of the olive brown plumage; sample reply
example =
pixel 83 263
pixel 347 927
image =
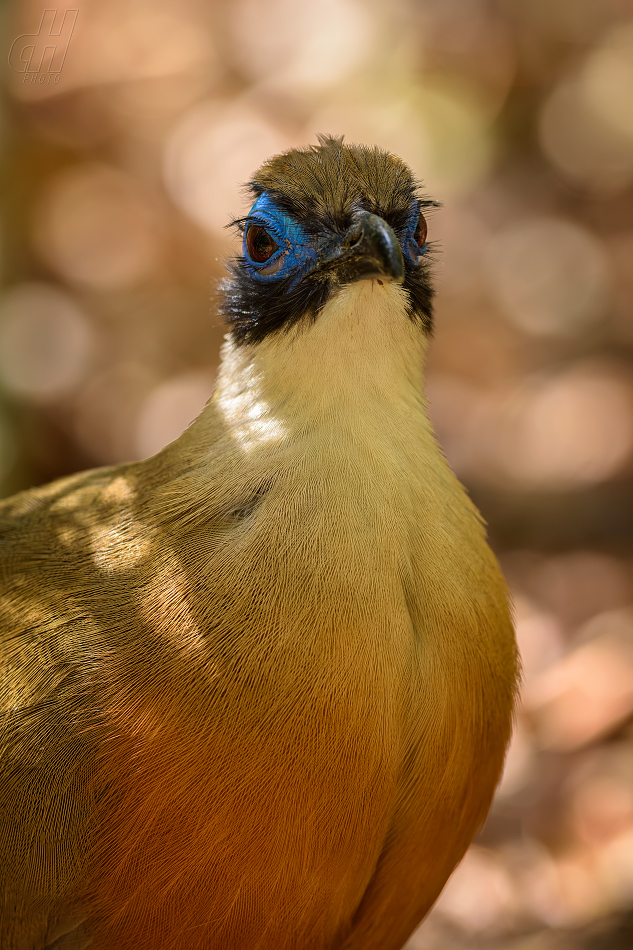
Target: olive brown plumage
pixel 256 691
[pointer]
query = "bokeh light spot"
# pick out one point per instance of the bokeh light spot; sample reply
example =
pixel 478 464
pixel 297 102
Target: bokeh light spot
pixel 45 341
pixel 608 79
pixel 94 227
pixel 550 275
pixel 581 143
pixel 211 154
pixel 577 429
pixel 168 410
pixel 301 45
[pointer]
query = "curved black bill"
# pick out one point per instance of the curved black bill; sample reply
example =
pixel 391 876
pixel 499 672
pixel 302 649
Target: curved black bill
pixel 370 249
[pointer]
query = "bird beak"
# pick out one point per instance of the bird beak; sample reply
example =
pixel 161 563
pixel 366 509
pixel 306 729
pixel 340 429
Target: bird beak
pixel 370 249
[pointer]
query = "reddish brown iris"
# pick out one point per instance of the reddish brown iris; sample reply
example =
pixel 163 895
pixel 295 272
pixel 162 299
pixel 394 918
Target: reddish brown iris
pixel 259 244
pixel 420 232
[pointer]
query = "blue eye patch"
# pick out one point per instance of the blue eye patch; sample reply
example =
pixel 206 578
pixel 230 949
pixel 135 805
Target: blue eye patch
pixel 295 252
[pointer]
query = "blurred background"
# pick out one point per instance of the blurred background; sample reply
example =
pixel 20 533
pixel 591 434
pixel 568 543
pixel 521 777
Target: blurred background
pixel 124 150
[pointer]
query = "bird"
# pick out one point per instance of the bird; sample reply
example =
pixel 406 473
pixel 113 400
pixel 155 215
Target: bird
pixel 256 690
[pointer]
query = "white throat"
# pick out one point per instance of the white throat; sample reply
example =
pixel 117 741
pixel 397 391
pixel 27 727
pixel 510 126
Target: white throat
pixel 362 358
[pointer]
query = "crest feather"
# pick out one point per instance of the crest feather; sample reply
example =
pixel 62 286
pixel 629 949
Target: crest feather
pixel 326 183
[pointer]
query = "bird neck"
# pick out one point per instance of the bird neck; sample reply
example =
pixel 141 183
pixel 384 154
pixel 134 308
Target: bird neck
pixel 326 402
pixel 361 359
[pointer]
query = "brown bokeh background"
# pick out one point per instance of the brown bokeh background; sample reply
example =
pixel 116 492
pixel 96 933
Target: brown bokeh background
pixel 119 177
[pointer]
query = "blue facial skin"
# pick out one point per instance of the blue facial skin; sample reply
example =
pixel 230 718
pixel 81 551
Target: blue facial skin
pixel 297 251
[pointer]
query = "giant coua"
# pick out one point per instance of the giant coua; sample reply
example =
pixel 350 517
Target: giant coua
pixel 257 690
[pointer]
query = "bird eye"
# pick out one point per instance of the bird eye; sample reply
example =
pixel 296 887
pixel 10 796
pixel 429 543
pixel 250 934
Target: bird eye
pixel 419 235
pixel 259 244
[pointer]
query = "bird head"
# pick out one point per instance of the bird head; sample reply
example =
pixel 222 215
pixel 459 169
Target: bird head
pixel 325 217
